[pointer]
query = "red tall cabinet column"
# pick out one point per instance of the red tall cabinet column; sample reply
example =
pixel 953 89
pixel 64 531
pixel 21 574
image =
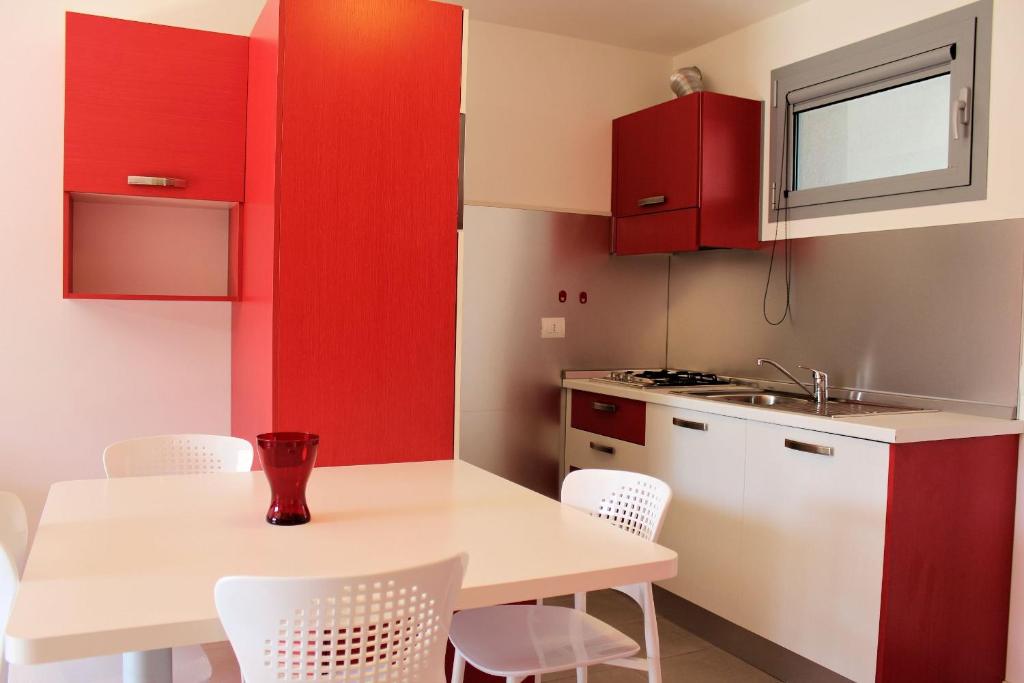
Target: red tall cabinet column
pixel 346 322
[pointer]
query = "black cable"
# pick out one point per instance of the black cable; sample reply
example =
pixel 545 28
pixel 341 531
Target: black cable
pixel 788 255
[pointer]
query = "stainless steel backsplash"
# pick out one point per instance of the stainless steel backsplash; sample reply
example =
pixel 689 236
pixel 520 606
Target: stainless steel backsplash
pixel 930 311
pixel 514 264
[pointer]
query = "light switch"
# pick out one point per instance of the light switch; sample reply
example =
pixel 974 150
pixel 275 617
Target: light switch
pixel 552 328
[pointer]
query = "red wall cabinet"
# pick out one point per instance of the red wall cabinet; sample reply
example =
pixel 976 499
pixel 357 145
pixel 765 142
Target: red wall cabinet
pixel 146 103
pixel 346 322
pixel 686 175
pixel 155 101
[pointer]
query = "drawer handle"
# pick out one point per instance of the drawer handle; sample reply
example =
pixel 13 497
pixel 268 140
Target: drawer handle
pixel 808 447
pixel 690 424
pixel 602 449
pixel 154 181
pixel 605 407
pixel 652 201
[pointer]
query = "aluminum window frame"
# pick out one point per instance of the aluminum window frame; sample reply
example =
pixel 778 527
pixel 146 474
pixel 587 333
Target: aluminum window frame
pixel 956 42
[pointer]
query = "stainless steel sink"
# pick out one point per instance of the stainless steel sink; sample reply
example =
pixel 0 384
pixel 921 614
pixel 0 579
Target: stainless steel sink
pixel 807 406
pixel 766 400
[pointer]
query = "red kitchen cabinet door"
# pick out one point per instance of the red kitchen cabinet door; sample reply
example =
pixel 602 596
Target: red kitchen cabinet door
pixel 619 418
pixel 659 233
pixel 149 100
pixel 656 158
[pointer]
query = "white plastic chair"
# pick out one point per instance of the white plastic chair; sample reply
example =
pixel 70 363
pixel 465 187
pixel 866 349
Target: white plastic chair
pixel 389 627
pixel 13 545
pixel 177 454
pixel 185 454
pixel 519 641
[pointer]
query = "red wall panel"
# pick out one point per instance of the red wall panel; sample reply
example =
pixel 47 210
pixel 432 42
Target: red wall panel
pixel 365 317
pixel 144 99
pixel 946 587
pixel 363 259
pixel 252 317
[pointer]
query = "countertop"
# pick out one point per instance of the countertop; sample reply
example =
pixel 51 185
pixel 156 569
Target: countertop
pixel 893 428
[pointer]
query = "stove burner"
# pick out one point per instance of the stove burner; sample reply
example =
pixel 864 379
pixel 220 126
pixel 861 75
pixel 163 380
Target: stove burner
pixel 665 378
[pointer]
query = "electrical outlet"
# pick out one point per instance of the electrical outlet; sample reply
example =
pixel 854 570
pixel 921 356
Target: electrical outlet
pixel 552 328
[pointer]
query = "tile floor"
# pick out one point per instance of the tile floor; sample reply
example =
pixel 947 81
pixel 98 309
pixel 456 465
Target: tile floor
pixel 685 658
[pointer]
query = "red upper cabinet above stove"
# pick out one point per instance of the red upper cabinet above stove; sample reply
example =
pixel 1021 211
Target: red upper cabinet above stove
pixel 686 175
pixel 155 101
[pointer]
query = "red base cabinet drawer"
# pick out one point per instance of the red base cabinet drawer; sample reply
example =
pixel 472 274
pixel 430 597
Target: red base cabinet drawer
pixel 657 233
pixel 618 418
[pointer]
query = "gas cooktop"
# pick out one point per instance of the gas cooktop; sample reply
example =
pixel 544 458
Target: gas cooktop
pixel 649 379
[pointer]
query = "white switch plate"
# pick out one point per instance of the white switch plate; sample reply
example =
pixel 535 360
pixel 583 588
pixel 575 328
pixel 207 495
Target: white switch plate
pixel 552 328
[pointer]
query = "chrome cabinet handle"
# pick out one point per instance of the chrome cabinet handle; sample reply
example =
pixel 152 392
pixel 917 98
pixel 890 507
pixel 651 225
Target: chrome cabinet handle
pixel 690 424
pixel 602 449
pixel 605 407
pixel 652 200
pixel 808 447
pixel 155 181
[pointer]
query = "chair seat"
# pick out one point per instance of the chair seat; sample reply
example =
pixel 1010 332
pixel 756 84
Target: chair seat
pixel 519 640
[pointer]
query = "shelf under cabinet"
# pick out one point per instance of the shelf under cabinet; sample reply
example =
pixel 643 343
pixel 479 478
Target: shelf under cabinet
pixel 143 248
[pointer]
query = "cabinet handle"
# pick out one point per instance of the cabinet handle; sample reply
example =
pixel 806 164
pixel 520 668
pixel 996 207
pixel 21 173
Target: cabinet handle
pixel 690 424
pixel 652 201
pixel 808 447
pixel 605 407
pixel 155 181
pixel 602 449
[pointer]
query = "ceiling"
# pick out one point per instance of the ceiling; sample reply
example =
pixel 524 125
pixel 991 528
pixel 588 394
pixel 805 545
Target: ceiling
pixel 664 26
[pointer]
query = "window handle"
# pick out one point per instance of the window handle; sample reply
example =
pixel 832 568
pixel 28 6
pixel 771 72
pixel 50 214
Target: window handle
pixel 962 113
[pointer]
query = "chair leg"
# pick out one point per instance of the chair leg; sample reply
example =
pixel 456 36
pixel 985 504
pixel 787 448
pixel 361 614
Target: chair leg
pixel 458 667
pixel 651 642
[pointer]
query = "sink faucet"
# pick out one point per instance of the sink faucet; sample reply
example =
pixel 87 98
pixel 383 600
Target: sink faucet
pixel 820 377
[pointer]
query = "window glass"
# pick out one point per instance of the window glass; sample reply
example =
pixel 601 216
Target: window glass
pixel 892 132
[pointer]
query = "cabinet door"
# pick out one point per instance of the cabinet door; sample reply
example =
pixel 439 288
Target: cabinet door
pixel 656 158
pixel 660 233
pixel 149 100
pixel 701 457
pixel 813 537
pixel 586 450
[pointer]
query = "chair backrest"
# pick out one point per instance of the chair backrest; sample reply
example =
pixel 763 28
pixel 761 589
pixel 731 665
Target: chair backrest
pixel 177 454
pixel 385 628
pixel 630 501
pixel 13 543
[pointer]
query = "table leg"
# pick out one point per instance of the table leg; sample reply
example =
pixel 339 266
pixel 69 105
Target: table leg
pixel 150 666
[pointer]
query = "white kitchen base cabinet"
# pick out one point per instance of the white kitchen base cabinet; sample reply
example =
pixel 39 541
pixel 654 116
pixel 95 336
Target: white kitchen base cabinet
pixel 885 562
pixel 701 456
pixel 813 540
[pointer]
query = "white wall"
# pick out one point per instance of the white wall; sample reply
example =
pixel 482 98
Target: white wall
pixel 76 375
pixel 540 110
pixel 741 64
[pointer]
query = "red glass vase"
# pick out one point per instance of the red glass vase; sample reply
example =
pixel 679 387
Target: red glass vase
pixel 288 459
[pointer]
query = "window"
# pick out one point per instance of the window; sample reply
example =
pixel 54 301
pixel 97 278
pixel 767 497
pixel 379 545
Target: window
pixel 895 121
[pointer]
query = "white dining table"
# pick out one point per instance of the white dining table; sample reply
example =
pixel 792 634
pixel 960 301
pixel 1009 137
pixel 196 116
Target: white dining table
pixel 128 565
